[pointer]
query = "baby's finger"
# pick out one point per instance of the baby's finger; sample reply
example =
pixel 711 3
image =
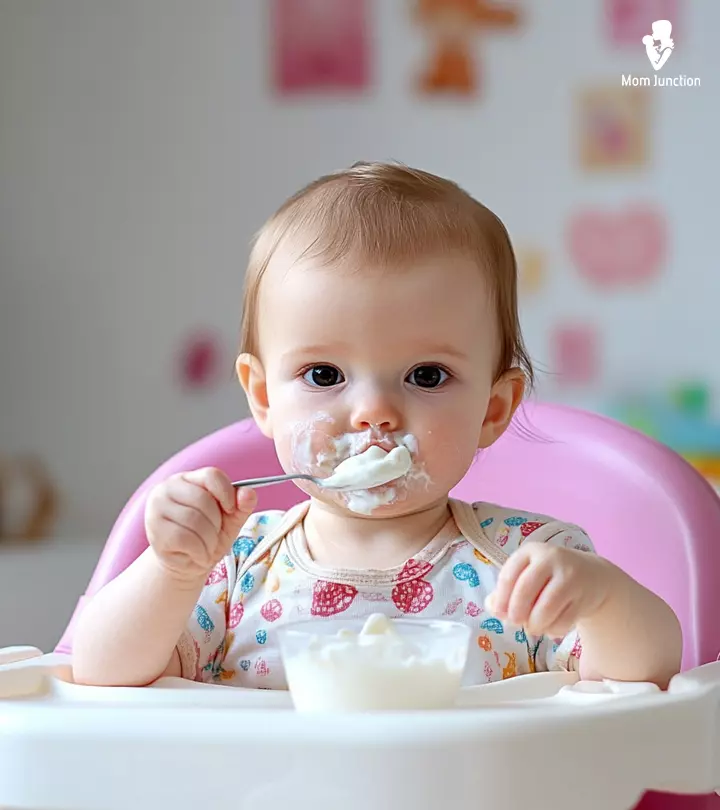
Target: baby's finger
pixel 551 604
pixel 527 590
pixel 499 600
pixel 185 493
pixel 245 500
pixel 561 625
pixel 192 521
pixel 217 483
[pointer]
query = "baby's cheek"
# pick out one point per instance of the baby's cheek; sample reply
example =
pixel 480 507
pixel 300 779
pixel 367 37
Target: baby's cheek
pixel 309 447
pixel 446 456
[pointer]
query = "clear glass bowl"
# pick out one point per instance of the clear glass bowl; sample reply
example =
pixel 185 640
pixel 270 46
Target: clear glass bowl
pixel 419 666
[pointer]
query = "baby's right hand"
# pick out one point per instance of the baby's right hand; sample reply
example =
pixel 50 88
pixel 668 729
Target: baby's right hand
pixel 192 520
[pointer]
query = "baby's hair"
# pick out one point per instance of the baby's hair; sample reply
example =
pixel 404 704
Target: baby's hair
pixel 387 214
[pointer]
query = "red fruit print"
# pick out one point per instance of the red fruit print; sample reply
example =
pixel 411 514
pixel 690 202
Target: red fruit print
pixel 412 597
pixel 330 598
pixel 261 667
pixel 576 651
pixel 472 609
pixel 452 607
pixel 271 611
pixel 236 613
pixel 217 574
pixel 530 527
pixel 414 569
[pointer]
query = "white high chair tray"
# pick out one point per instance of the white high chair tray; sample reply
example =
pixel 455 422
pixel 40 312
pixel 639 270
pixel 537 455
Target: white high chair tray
pixel 542 740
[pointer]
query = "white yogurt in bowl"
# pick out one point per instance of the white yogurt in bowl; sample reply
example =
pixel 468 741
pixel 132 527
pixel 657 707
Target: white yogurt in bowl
pixel 375 664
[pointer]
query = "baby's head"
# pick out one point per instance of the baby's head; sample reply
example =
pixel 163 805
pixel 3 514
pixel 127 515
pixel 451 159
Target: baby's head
pixel 381 307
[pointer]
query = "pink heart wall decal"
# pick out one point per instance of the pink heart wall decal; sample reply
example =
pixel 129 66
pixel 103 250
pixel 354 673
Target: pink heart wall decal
pixel 616 249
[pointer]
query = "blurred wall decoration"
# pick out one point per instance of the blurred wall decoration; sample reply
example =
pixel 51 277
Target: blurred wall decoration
pixel 627 20
pixel 576 354
pixel 320 45
pixel 28 499
pixel 531 262
pixel 618 249
pixel 143 144
pixel 201 361
pixel 614 127
pixel 452 28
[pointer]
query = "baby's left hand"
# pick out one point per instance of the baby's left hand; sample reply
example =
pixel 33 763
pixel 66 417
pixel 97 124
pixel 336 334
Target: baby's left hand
pixel 549 589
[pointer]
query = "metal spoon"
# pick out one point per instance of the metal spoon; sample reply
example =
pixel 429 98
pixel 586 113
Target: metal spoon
pixel 278 479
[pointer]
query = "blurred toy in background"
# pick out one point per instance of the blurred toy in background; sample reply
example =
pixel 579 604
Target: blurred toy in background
pixel 452 26
pixel 28 499
pixel 682 419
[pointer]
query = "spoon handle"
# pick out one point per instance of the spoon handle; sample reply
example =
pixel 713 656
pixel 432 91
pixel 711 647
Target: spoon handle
pixel 273 479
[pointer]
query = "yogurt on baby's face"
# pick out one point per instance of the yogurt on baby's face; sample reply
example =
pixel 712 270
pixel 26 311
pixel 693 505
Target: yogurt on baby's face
pixel 373 468
pixel 378 476
pixel 418 666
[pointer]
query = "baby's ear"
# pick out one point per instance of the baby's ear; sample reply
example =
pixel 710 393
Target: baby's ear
pixel 505 396
pixel 251 374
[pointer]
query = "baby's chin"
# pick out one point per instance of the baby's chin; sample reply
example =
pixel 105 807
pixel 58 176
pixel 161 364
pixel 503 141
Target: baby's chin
pixel 385 501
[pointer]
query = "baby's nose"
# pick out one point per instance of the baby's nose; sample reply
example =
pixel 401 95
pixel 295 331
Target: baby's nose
pixel 376 410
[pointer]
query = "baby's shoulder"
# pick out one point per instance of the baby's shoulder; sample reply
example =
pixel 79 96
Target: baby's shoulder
pixel 509 528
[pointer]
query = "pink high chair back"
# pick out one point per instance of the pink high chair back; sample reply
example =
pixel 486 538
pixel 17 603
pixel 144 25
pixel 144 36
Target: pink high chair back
pixel 644 507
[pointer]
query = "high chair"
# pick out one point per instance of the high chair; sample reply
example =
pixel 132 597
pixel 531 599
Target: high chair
pixel 543 740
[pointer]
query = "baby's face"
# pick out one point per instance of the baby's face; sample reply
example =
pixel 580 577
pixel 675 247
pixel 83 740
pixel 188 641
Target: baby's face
pixel 356 355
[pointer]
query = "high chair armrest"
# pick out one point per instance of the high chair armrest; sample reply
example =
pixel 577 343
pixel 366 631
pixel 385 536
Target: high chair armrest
pixel 702 686
pixel 706 677
pixel 13 655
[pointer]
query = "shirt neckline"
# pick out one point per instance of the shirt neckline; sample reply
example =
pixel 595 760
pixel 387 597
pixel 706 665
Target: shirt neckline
pixel 413 568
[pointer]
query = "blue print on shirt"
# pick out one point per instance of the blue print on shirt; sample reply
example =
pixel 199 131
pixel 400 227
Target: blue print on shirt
pixel 466 573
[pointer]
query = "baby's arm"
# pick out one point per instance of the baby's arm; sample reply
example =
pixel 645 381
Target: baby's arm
pixel 627 633
pixel 632 636
pixel 127 634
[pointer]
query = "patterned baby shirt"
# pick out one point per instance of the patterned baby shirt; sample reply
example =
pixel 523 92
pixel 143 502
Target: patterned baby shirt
pixel 269 579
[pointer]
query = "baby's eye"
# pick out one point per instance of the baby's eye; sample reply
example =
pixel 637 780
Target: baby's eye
pixel 428 376
pixel 323 376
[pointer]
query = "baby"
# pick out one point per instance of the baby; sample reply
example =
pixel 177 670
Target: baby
pixel 380 311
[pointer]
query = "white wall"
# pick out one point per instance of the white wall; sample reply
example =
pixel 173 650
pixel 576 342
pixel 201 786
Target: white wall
pixel 140 147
